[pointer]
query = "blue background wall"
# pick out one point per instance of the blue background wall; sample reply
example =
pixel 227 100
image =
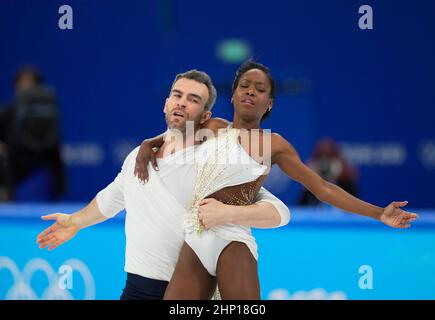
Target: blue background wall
pixel 113 70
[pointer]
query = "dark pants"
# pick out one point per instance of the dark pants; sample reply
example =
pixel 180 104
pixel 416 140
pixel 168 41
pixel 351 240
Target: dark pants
pixel 141 288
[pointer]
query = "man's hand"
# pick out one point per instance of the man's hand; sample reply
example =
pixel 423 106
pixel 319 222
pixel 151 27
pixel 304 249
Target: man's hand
pixel 395 217
pixel 58 233
pixel 213 213
pixel 145 155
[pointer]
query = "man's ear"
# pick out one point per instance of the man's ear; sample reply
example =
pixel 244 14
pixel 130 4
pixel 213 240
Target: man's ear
pixel 165 108
pixel 205 116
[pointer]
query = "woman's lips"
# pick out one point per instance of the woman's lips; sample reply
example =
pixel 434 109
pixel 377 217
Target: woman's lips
pixel 248 101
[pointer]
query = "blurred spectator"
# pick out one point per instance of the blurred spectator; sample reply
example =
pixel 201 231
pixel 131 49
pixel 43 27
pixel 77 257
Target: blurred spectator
pixel 328 161
pixel 30 164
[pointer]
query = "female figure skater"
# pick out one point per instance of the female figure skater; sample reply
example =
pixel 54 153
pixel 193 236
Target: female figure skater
pixel 228 253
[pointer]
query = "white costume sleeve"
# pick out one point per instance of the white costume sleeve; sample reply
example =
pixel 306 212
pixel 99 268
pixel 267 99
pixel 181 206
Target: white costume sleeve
pixel 110 200
pixel 283 210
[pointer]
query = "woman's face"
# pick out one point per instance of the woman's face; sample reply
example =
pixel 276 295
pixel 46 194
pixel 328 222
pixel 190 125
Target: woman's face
pixel 251 97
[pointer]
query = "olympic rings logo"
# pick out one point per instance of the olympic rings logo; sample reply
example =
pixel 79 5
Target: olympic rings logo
pixel 58 283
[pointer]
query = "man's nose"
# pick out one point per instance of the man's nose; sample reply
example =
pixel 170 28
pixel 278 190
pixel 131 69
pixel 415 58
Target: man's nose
pixel 181 103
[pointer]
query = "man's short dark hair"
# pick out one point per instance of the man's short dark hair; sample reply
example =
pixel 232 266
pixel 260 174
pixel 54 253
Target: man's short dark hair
pixel 249 65
pixel 201 77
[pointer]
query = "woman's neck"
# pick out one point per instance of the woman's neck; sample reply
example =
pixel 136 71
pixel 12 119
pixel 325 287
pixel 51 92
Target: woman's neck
pixel 242 124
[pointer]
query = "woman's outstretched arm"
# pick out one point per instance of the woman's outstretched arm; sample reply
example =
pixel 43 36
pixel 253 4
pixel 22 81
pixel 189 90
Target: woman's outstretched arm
pixel 286 157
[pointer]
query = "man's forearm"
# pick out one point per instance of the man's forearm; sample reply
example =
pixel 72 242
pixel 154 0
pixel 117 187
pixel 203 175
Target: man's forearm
pixel 88 216
pixel 341 199
pixel 258 215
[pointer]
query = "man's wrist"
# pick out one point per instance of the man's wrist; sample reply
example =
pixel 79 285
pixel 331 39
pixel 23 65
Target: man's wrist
pixel 233 213
pixel 74 221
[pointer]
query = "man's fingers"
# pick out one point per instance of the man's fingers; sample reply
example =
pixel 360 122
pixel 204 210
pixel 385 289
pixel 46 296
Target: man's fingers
pixel 45 238
pixel 201 220
pixel 52 216
pixel 50 229
pixel 55 245
pixel 205 201
pixel 43 233
pixel 48 241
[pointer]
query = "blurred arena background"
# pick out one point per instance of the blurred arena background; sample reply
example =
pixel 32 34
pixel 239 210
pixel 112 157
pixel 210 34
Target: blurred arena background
pixel 371 93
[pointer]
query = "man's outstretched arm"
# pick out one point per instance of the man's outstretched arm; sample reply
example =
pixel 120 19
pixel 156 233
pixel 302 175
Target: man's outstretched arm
pixel 67 225
pixel 105 205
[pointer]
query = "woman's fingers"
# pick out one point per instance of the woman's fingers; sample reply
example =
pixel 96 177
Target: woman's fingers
pixel 399 204
pixel 154 162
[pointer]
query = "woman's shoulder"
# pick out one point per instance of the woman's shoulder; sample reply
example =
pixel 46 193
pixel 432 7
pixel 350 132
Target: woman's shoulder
pixel 216 124
pixel 279 143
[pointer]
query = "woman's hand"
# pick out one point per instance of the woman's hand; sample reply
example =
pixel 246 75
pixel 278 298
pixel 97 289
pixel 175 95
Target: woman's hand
pixel 145 155
pixel 395 217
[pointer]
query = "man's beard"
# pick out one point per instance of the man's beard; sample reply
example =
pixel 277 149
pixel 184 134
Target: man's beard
pixel 188 126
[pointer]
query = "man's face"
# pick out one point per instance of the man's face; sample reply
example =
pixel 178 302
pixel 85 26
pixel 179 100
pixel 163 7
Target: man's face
pixel 186 102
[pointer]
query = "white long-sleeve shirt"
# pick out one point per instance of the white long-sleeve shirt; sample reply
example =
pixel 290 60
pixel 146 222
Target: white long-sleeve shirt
pixel 155 211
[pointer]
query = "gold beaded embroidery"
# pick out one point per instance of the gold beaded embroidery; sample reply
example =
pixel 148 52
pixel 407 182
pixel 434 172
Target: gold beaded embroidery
pixel 213 167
